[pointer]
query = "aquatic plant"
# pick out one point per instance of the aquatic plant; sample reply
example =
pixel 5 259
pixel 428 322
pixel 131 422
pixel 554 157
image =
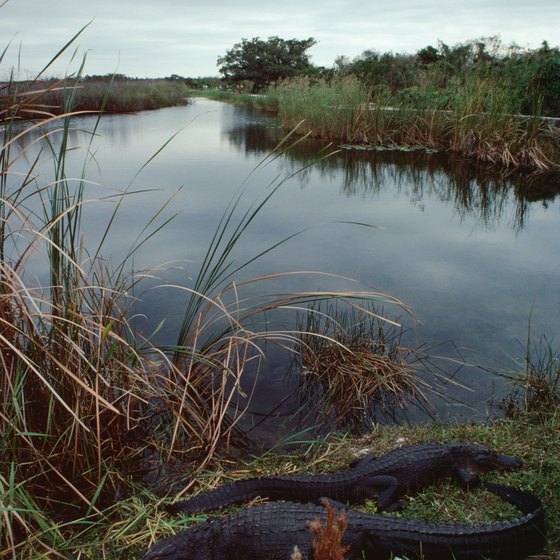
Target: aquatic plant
pixel 354 367
pixel 478 120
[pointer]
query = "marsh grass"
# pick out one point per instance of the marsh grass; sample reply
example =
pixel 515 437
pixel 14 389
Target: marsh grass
pixel 73 383
pixel 139 520
pixel 535 391
pixel 43 98
pixel 357 368
pixel 476 120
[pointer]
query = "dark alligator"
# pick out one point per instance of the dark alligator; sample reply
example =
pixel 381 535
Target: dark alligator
pixel 402 471
pixel 270 532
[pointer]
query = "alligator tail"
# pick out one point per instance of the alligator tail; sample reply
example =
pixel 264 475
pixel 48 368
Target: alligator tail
pixel 245 490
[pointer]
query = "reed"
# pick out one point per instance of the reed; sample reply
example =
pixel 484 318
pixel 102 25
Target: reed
pixel 476 119
pixel 41 98
pixel 73 383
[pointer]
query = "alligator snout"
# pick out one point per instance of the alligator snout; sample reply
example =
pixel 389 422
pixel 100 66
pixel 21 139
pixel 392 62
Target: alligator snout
pixel 508 463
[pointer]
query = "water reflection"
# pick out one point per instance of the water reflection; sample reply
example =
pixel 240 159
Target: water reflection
pixel 491 194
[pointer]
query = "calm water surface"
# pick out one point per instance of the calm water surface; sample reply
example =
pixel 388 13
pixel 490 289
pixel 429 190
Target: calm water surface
pixel 475 255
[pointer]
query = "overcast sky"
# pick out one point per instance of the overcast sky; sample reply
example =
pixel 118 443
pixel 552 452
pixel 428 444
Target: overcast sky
pixel 154 38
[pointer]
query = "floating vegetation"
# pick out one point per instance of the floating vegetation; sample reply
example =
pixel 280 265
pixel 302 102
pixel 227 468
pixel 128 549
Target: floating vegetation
pixel 387 148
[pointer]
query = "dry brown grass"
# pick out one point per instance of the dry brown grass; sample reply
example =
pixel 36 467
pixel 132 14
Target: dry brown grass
pixel 327 544
pixel 354 378
pixel 357 366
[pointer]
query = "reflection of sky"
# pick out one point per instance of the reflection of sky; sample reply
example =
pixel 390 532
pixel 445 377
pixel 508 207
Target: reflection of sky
pixel 470 273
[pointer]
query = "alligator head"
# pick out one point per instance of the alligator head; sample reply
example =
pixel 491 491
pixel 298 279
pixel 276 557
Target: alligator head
pixel 470 458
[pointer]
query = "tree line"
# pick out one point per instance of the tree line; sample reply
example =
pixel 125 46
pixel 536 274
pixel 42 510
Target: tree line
pixel 531 76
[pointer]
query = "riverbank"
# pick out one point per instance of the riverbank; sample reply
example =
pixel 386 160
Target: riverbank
pixel 45 98
pixel 477 124
pixel 139 518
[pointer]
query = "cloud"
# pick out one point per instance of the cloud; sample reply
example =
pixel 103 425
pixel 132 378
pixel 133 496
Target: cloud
pixel 146 38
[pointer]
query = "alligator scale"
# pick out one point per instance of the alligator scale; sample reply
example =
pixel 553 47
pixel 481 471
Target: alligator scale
pixel 402 471
pixel 270 532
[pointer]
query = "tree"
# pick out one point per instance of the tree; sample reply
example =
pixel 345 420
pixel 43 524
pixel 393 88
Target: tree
pixel 265 62
pixel 428 55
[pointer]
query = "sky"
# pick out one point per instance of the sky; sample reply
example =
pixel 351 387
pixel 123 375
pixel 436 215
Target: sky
pixel 157 38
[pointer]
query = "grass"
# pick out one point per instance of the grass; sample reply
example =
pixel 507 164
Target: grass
pixel 478 120
pixel 44 98
pixel 357 368
pixel 536 390
pixel 136 522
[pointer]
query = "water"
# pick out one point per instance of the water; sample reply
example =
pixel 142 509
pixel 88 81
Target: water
pixel 473 253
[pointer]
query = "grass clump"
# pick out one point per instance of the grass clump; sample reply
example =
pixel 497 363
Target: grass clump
pixel 536 390
pixel 357 367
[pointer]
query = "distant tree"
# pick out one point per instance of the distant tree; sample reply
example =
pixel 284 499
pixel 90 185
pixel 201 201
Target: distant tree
pixel 428 55
pixel 341 64
pixel 265 62
pixel 393 70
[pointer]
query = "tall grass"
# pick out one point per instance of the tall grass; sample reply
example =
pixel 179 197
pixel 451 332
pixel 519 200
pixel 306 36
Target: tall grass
pixel 42 98
pixel 73 385
pixel 476 120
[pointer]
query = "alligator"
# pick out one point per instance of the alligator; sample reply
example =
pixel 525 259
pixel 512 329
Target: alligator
pixel 404 470
pixel 270 531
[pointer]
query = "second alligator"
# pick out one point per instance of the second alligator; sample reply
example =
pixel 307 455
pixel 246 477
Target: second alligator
pixel 403 471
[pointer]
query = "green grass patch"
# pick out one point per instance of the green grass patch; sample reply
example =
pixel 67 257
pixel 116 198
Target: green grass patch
pixel 134 523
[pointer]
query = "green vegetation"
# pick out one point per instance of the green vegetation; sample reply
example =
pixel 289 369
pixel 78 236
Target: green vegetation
pixel 265 62
pixel 480 124
pixel 478 99
pixel 140 519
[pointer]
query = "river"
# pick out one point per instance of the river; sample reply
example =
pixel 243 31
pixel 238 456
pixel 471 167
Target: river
pixel 474 252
